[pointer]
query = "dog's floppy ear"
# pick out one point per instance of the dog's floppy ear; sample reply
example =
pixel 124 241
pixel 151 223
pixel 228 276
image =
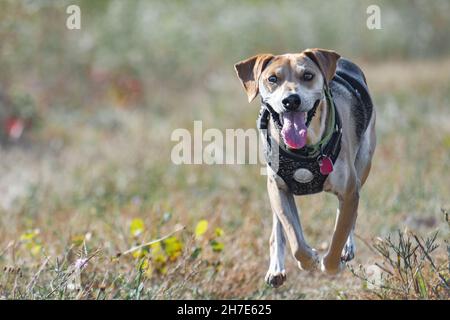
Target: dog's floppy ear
pixel 326 61
pixel 249 71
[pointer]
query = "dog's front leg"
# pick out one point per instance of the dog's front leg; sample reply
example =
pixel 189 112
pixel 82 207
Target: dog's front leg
pixel 333 261
pixel 276 275
pixel 348 253
pixel 283 205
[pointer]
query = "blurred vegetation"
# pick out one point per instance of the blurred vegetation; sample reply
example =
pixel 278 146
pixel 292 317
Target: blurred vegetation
pixel 178 46
pixel 91 175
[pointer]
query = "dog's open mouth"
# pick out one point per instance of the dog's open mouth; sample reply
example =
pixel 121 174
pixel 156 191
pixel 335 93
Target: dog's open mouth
pixel 294 129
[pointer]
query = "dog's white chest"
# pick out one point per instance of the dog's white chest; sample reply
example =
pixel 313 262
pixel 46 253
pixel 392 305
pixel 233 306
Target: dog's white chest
pixel 303 175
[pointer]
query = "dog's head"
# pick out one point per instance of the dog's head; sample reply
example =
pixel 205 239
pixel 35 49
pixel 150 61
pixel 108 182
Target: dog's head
pixel 292 84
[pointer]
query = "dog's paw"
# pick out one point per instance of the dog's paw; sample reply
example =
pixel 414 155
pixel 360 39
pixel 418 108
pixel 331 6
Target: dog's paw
pixel 275 279
pixel 331 268
pixel 310 263
pixel 348 253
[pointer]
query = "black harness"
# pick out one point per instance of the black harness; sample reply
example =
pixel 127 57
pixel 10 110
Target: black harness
pixel 286 162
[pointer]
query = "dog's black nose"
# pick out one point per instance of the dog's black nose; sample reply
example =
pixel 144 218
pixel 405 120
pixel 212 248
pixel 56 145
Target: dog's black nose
pixel 292 102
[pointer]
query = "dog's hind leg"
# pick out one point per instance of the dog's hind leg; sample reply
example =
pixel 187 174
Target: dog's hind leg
pixel 363 162
pixel 276 275
pixel 283 205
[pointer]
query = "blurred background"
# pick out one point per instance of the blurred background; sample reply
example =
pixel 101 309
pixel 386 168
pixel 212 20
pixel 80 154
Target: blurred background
pixel 86 117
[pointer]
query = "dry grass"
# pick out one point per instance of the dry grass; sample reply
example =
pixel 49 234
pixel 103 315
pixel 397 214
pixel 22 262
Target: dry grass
pixel 95 165
pixel 94 174
pixel 408 268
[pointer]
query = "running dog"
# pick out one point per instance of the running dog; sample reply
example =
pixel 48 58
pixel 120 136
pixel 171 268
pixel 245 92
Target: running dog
pixel 317 122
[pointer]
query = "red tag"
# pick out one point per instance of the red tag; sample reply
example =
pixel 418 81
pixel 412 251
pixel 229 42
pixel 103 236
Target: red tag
pixel 326 165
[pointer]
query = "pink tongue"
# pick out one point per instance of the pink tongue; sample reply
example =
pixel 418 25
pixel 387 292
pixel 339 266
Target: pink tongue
pixel 294 129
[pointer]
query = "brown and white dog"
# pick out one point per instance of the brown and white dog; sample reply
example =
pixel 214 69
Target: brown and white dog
pixel 292 84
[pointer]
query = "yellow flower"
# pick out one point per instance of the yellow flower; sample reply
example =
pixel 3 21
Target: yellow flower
pixel 201 228
pixel 29 235
pixel 140 253
pixel 173 248
pixel 218 232
pixel 217 246
pixel 147 268
pixel 137 227
pixel 36 249
pixel 158 254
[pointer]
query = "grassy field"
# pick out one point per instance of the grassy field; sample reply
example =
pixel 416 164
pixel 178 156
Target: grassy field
pixel 91 175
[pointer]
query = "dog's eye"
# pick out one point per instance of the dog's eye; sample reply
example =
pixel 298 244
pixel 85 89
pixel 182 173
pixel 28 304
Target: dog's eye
pixel 308 76
pixel 273 79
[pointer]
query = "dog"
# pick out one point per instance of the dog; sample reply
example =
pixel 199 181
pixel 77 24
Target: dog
pixel 300 93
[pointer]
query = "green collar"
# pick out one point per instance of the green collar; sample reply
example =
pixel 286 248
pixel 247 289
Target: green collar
pixel 315 149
